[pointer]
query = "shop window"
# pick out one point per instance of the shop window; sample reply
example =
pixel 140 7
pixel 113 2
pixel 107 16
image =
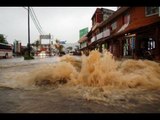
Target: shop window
pixel 151 11
pixel 151 44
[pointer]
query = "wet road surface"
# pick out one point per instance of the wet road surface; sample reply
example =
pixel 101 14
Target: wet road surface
pixel 61 100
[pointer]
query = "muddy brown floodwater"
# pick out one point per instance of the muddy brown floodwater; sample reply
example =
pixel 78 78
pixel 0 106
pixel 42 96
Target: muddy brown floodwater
pixel 93 84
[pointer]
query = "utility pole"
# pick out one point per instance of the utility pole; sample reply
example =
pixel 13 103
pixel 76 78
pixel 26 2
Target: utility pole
pixel 50 44
pixel 29 50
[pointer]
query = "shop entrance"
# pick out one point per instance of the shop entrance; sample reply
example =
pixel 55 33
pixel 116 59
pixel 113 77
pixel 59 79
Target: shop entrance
pixel 147 47
pixel 129 45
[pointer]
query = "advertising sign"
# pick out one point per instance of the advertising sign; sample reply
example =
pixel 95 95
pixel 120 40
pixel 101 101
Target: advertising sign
pixel 83 32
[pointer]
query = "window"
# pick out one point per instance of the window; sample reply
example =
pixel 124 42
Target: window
pixel 151 11
pixel 114 26
pixel 151 44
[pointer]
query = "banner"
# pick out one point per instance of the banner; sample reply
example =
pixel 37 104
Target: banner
pixel 45 36
pixel 83 32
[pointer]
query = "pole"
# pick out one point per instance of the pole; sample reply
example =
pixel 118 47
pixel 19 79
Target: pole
pixel 29 32
pixel 50 44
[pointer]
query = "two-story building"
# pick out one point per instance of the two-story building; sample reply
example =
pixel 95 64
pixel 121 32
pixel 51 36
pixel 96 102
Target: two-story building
pixel 88 42
pixel 135 32
pixel 129 32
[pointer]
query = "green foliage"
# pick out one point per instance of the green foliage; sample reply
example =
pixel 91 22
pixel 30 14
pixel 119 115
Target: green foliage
pixel 69 48
pixel 27 57
pixel 2 39
pixel 37 43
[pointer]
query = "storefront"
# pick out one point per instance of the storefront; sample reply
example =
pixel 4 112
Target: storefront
pixel 129 45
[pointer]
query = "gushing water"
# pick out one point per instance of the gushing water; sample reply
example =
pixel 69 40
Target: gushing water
pixel 96 73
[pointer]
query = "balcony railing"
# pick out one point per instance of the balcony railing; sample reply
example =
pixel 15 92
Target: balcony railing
pixel 100 35
pixel 103 34
pixel 93 39
pixel 106 33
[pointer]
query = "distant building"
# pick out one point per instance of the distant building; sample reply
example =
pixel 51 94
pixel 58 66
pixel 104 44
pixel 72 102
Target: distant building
pixel 17 47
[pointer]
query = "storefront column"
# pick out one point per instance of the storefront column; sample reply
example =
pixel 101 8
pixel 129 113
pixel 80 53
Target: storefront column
pixel 136 50
pixel 120 48
pixel 100 48
pixel 157 56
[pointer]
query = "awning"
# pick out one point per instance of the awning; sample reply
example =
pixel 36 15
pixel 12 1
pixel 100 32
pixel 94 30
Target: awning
pixel 84 38
pixel 141 23
pixel 123 27
pixel 137 25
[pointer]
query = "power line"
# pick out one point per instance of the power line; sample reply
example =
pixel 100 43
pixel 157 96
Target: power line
pixel 38 26
pixel 36 19
pixel 33 19
pixel 35 23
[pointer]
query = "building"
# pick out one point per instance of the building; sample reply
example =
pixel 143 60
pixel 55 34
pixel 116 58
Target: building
pixel 100 15
pixel 131 32
pixel 17 48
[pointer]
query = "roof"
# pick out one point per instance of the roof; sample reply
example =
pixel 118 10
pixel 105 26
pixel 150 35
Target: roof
pixel 138 24
pixel 141 23
pixel 84 38
pixel 102 9
pixel 95 12
pixel 114 15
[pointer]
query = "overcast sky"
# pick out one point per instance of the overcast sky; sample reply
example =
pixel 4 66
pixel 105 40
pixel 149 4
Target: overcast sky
pixel 63 23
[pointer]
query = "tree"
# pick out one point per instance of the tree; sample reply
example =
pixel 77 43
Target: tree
pixel 3 39
pixel 58 46
pixel 69 48
pixel 37 44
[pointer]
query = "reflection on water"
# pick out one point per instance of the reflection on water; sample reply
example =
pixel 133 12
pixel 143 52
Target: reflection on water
pixel 20 61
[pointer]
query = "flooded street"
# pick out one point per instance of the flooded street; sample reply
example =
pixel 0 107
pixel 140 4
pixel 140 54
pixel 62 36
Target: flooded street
pixel 73 85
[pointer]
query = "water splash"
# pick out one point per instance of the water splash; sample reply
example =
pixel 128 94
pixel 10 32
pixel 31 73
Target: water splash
pixel 99 71
pixel 96 74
